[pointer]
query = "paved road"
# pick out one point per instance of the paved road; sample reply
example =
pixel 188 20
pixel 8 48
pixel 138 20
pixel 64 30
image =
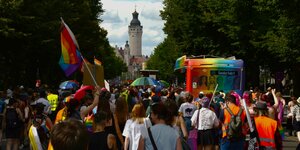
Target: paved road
pixel 289 143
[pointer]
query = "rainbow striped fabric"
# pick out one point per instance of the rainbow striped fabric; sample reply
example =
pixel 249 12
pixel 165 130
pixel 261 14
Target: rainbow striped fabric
pixel 88 121
pixel 179 64
pixel 281 130
pixel 97 62
pixel 70 58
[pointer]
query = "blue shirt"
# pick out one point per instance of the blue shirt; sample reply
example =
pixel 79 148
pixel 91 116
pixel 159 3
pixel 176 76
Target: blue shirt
pixel 165 137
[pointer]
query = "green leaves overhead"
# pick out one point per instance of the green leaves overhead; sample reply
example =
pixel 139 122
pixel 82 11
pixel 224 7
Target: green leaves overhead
pixel 30 36
pixel 261 32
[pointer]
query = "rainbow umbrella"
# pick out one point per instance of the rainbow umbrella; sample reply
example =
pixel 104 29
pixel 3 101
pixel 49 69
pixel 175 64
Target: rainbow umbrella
pixel 144 81
pixel 68 85
pixel 164 83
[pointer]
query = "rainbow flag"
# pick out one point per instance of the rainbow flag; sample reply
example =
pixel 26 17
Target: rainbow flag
pixel 97 62
pixel 281 130
pixel 70 58
pixel 88 121
pixel 179 64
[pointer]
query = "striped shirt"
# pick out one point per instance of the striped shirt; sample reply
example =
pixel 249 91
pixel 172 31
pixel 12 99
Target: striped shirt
pixel 296 112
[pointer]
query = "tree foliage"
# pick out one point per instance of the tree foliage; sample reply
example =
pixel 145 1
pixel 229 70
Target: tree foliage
pixel 163 57
pixel 30 36
pixel 261 32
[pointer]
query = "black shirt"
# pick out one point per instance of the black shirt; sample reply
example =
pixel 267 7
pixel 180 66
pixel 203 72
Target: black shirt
pixel 98 141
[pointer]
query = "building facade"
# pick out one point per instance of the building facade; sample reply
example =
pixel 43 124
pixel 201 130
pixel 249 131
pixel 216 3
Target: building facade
pixel 135 31
pixel 131 54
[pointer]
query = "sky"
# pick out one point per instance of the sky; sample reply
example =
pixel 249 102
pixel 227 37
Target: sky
pixel 117 17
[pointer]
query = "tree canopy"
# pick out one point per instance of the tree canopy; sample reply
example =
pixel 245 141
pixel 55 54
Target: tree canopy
pixel 261 32
pixel 30 39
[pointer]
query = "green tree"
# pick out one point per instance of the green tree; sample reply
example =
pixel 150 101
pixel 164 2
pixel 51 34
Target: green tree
pixel 163 59
pixel 30 32
pixel 261 32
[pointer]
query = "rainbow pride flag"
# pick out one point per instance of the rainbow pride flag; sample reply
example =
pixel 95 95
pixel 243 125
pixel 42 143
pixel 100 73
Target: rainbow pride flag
pixel 70 58
pixel 179 64
pixel 97 62
pixel 88 121
pixel 281 130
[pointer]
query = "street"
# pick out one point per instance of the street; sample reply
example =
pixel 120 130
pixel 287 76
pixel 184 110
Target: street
pixel 289 143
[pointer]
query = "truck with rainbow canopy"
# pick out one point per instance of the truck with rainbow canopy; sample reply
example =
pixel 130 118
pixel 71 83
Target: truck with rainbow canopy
pixel 204 73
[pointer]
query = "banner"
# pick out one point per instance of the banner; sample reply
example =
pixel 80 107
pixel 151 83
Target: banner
pixel 98 73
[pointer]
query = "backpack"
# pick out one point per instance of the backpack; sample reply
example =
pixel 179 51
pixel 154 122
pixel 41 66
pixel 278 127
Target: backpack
pixel 12 119
pixel 234 130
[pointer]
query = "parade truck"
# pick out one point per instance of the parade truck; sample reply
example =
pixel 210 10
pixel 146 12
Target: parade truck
pixel 206 73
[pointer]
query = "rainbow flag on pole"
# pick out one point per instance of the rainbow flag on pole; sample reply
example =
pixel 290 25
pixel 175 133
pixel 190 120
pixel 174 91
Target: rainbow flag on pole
pixel 97 62
pixel 70 58
pixel 179 64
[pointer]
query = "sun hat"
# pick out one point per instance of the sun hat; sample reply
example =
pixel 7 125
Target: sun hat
pixel 298 100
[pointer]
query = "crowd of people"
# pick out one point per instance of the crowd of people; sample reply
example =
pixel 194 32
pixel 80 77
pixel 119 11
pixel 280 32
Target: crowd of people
pixel 145 117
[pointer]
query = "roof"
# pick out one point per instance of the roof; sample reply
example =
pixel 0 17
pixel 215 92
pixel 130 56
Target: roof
pixel 137 60
pixel 135 20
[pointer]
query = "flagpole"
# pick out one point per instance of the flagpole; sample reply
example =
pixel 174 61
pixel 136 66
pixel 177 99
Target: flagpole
pixel 87 67
pixel 74 40
pixel 213 94
pixel 248 116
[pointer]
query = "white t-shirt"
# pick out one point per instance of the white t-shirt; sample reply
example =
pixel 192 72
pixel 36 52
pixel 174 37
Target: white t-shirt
pixel 187 109
pixel 207 119
pixel 134 131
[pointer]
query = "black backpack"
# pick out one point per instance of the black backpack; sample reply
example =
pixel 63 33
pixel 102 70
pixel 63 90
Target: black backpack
pixel 234 130
pixel 12 119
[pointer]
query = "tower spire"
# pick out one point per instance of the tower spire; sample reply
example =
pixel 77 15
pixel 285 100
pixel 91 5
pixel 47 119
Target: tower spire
pixel 135 31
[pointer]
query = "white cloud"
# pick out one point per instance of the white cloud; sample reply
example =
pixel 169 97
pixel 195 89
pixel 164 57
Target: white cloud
pixel 111 16
pixel 117 17
pixel 153 1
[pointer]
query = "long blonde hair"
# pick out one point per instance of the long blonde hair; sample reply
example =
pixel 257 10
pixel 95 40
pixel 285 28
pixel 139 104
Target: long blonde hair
pixel 138 113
